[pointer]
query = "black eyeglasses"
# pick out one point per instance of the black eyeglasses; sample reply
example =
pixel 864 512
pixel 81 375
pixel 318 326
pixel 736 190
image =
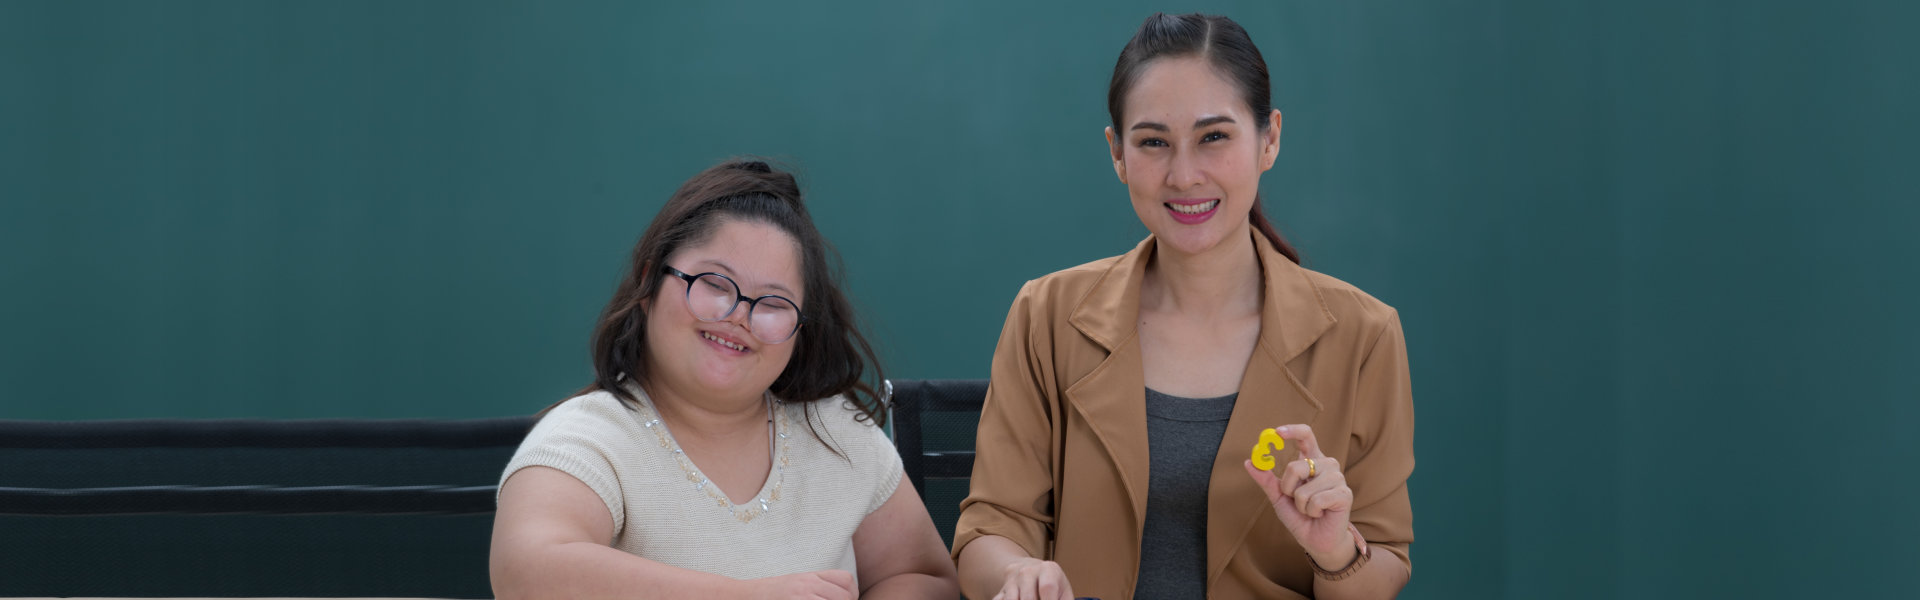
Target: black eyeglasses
pixel 712 297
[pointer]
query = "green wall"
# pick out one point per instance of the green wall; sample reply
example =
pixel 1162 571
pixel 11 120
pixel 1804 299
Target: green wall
pixel 1655 260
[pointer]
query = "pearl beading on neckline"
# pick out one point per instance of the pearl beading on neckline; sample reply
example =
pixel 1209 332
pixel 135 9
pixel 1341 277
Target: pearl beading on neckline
pixel 755 507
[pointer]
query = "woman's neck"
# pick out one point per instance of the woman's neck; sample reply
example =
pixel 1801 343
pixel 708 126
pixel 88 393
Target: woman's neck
pixel 1222 282
pixel 708 420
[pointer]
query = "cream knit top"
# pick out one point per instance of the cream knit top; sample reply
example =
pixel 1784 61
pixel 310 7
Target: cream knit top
pixel 664 509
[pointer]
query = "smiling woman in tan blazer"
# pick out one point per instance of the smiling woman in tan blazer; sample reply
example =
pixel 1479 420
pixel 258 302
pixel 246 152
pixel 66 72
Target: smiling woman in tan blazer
pixel 1212 312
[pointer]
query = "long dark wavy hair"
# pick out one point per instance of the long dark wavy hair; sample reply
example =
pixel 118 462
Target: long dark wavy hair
pixel 831 356
pixel 1225 45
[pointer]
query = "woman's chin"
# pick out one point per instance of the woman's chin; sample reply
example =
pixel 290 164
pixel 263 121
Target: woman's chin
pixel 733 382
pixel 1189 240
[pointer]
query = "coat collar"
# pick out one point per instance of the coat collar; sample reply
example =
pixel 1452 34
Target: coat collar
pixel 1292 314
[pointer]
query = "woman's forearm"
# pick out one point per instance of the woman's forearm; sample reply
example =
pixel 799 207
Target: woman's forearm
pixel 1381 577
pixel 911 586
pixel 983 565
pixel 588 570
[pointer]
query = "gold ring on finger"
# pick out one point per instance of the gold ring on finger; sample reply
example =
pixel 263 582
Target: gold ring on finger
pixel 1311 472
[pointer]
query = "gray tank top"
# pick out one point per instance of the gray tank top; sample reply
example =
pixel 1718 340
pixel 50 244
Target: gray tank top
pixel 1183 436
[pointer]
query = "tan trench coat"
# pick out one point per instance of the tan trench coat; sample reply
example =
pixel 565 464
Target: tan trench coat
pixel 1061 463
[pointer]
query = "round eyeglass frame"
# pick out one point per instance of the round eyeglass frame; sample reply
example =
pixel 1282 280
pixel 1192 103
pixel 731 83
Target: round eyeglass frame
pixel 800 318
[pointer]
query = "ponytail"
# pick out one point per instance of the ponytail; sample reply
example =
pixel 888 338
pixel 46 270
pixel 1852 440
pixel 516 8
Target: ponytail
pixel 1261 224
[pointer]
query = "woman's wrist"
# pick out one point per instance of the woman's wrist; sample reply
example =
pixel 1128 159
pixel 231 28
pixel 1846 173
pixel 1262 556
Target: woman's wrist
pixel 1344 560
pixel 1336 559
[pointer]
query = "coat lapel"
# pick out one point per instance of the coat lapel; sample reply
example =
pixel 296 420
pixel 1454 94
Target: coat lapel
pixel 1111 399
pixel 1292 317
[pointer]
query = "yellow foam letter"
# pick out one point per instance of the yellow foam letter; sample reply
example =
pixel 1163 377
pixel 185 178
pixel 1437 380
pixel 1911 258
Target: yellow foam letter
pixel 1262 457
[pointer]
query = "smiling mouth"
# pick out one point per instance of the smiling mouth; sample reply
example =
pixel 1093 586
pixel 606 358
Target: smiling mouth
pixel 1194 209
pixel 718 340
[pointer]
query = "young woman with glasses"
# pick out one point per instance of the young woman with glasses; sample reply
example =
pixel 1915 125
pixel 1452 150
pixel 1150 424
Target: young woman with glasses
pixel 729 446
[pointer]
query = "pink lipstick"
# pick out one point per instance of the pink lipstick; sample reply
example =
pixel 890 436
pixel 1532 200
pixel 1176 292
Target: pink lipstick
pixel 1192 211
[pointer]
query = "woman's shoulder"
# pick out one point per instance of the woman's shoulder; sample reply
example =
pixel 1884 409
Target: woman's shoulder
pixel 839 448
pixel 1350 304
pixel 598 410
pixel 838 419
pixel 1062 290
pixel 835 426
pixel 1079 277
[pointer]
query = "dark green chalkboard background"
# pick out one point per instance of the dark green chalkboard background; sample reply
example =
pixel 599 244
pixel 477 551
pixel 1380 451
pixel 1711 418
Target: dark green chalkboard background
pixel 1656 260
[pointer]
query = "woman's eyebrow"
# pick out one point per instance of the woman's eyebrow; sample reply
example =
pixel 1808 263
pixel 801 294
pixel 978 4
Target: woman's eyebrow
pixel 1197 123
pixel 729 271
pixel 725 269
pixel 1205 121
pixel 779 288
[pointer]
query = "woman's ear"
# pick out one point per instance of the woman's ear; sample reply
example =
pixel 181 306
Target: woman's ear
pixel 1270 141
pixel 1114 148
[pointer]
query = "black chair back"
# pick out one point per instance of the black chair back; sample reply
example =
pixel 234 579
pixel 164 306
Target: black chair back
pixel 933 427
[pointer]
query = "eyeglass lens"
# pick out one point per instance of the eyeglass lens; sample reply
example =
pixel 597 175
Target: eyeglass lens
pixel 712 297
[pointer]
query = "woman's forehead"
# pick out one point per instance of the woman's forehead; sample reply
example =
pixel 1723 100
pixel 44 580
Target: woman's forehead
pixel 757 255
pixel 1180 91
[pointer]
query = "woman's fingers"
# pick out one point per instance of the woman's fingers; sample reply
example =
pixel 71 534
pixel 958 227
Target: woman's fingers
pixel 1047 588
pixel 1325 501
pixel 1301 436
pixel 1299 472
pixel 1053 583
pixel 1289 479
pixel 1327 477
pixel 1051 589
pixel 1011 590
pixel 1307 489
pixel 1268 481
pixel 843 580
pixel 1036 580
pixel 843 583
pixel 1010 586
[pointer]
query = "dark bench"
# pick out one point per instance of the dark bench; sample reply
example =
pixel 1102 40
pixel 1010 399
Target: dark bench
pixel 317 508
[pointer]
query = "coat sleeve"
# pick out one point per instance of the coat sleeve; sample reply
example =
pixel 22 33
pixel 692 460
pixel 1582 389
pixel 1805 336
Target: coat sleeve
pixel 1378 470
pixel 1011 493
